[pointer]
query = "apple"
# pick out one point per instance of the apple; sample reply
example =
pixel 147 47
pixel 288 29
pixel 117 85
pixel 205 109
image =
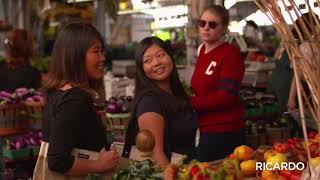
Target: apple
pixel 268 153
pixel 276 158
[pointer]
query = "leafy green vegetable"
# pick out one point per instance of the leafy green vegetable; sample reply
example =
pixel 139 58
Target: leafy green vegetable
pixel 139 170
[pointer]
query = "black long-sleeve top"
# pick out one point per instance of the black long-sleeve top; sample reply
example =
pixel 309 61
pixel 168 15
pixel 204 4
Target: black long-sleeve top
pixel 70 121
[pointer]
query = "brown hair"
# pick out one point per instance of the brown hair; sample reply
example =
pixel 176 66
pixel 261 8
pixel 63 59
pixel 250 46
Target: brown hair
pixel 220 11
pixel 68 64
pixel 18 47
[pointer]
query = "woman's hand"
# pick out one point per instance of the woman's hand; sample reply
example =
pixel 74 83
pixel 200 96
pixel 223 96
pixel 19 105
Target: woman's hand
pixel 291 104
pixel 108 160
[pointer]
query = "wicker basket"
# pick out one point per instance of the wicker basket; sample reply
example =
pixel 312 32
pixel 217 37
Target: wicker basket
pixel 10 115
pixel 117 124
pixel 277 135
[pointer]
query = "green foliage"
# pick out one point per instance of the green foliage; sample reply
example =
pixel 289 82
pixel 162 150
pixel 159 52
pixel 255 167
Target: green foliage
pixel 41 63
pixel 179 56
pixel 139 170
pixel 186 88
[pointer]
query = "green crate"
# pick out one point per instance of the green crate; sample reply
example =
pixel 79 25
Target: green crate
pixel 16 154
pixel 35 150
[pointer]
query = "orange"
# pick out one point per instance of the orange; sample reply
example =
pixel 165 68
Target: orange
pixel 243 152
pixel 204 165
pixel 248 167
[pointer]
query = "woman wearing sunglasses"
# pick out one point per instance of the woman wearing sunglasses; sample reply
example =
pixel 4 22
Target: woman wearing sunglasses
pixel 216 83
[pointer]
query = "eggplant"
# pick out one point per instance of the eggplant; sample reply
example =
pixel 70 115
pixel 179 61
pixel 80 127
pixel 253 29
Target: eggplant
pixel 113 108
pixel 22 89
pixel 37 98
pixel 32 141
pixel 18 145
pixel 4 94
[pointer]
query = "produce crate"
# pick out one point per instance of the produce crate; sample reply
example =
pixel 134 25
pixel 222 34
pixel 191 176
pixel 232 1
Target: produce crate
pixel 277 134
pixel 34 112
pixel 253 113
pixel 16 154
pixel 255 140
pixel 118 123
pixel 10 115
pixel 270 111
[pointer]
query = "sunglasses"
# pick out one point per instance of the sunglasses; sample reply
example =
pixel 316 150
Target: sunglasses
pixel 212 24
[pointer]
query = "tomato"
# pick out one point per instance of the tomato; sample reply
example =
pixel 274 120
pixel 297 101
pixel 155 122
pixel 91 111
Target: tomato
pixel 294 140
pixel 312 134
pixel 201 177
pixel 285 173
pixel 282 147
pixel 295 176
pixel 261 58
pixel 194 170
pixel 290 175
pixel 314 149
pixel 252 56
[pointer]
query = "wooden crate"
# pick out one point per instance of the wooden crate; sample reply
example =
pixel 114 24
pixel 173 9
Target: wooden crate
pixel 10 115
pixel 255 140
pixel 277 135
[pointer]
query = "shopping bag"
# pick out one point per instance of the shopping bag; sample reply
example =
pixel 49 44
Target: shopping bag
pixel 42 171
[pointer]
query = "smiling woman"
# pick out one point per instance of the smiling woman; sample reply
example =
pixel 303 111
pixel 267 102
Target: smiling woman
pixel 161 105
pixel 70 122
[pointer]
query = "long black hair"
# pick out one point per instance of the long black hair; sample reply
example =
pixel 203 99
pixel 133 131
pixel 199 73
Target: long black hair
pixel 144 84
pixel 68 63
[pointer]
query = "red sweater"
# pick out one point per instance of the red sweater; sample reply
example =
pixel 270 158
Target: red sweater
pixel 215 83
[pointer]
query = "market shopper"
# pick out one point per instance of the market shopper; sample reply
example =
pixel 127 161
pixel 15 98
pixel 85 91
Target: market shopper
pixel 215 83
pixel 282 80
pixel 160 104
pixel 70 120
pixel 15 70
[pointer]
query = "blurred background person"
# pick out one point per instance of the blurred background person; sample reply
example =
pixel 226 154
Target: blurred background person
pixel 15 70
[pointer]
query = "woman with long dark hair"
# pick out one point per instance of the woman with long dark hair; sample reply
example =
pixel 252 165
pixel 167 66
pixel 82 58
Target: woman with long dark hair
pixel 161 105
pixel 70 120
